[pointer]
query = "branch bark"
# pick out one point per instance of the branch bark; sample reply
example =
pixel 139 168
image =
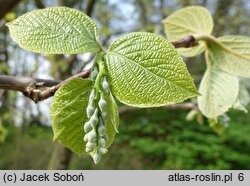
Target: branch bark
pixel 41 89
pixel 36 89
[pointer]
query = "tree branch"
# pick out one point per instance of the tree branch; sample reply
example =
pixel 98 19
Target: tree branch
pixel 179 106
pixel 7 6
pixel 41 89
pixel 39 4
pixel 36 89
pixel 186 42
pixel 90 7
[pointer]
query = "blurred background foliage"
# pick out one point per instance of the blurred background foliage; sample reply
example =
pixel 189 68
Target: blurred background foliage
pixel 148 138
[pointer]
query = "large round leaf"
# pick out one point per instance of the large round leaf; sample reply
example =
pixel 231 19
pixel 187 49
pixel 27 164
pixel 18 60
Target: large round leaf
pixel 55 30
pixel 219 92
pixel 192 20
pixel 231 53
pixel 145 70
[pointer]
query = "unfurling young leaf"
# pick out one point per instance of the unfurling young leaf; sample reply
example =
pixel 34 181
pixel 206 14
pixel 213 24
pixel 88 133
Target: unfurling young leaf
pixel 55 30
pixel 226 57
pixel 219 92
pixel 192 20
pixel 145 70
pixel 231 53
pixel 243 99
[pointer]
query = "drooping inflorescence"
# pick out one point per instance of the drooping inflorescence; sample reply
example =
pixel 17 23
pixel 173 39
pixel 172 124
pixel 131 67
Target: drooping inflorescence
pixel 95 128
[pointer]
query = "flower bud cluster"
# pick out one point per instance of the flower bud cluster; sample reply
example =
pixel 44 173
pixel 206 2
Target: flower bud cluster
pixel 95 128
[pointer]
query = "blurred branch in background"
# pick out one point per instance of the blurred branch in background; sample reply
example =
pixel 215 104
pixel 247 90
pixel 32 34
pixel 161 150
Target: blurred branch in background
pixel 90 7
pixel 39 4
pixel 179 106
pixel 7 6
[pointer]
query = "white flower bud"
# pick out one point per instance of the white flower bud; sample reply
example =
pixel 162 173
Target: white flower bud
pixel 91 135
pixel 101 142
pixel 96 158
pixel 90 145
pixel 86 137
pixel 87 127
pixel 94 119
pixel 101 130
pixel 102 103
pixel 88 149
pixel 104 115
pixel 94 73
pixel 102 150
pixel 105 84
pixel 106 137
pixel 91 105
pixel 92 95
pixel 90 109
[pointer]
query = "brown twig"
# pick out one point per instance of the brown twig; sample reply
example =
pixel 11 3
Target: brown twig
pixel 36 89
pixel 41 89
pixel 186 42
pixel 179 106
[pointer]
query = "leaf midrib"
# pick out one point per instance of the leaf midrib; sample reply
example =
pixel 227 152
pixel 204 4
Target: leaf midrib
pixel 145 69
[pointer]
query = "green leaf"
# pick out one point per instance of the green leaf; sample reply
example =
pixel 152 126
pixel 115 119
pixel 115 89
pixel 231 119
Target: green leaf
pixel 55 30
pixel 112 121
pixel 219 92
pixel 193 20
pixel 240 44
pixel 145 70
pixel 243 99
pixel 231 54
pixel 192 51
pixel 68 113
